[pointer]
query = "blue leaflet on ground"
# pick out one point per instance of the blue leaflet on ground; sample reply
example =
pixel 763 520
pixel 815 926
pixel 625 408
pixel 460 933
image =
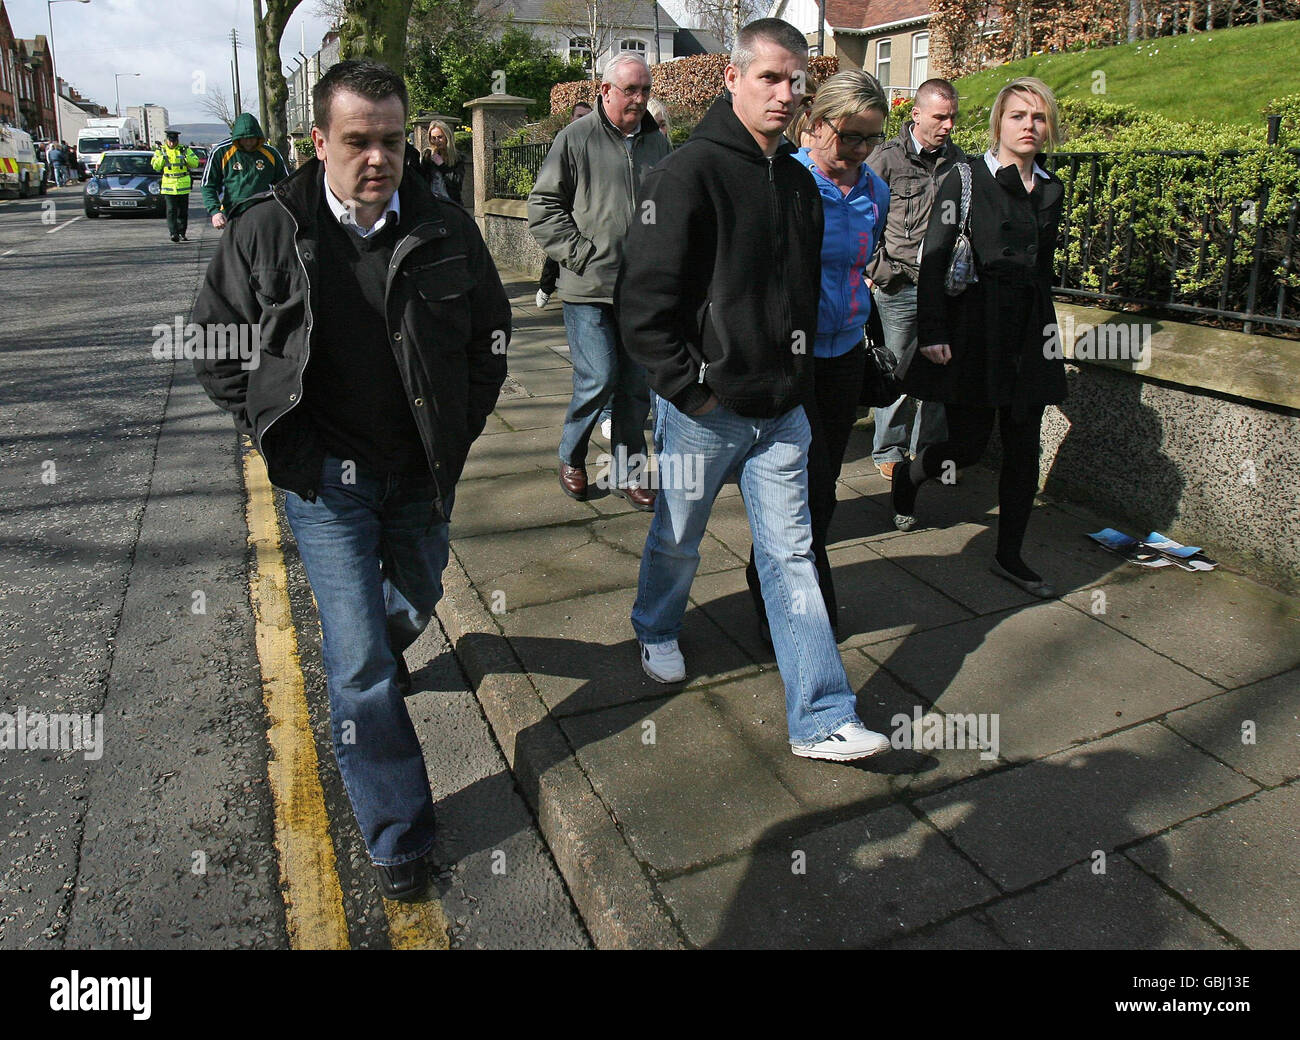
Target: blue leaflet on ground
pixel 1129 548
pixel 1155 551
pixel 1189 556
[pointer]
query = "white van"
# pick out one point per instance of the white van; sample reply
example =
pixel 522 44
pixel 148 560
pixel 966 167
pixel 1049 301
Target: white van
pixel 21 169
pixel 94 141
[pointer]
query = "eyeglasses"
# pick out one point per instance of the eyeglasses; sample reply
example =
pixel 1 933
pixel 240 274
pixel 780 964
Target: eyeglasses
pixel 631 92
pixel 856 140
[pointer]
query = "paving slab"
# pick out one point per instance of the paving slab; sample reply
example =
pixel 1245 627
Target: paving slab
pixel 1025 824
pixel 864 881
pixel 534 357
pixel 515 502
pixel 1225 627
pixel 955 560
pixel 1053 676
pixel 969 931
pixel 1239 866
pixel 973 499
pixel 684 787
pixel 531 413
pixel 754 708
pixel 1121 909
pixel 583 654
pixel 1254 729
pixel 547 382
pixel 514 451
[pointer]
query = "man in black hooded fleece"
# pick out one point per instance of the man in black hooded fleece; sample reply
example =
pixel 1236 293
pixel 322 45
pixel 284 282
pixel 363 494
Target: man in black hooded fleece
pixel 718 300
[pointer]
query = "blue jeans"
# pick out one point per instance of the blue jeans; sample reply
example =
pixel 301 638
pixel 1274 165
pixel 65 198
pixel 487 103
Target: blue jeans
pixel 929 426
pixel 60 174
pixel 603 372
pixel 770 457
pixel 374 550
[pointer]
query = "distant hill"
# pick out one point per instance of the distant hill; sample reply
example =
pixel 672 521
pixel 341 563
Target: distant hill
pixel 201 133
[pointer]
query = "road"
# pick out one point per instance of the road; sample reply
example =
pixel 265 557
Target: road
pixel 127 590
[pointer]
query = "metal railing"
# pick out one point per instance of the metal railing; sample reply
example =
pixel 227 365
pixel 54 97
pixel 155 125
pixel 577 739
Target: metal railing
pixel 1225 260
pixel 515 168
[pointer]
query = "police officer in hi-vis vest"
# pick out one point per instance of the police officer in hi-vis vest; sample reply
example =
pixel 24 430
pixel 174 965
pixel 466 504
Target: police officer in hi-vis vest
pixel 175 163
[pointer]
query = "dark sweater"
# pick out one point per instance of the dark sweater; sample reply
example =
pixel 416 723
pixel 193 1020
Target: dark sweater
pixel 352 387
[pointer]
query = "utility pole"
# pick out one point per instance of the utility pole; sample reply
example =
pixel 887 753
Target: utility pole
pixel 234 49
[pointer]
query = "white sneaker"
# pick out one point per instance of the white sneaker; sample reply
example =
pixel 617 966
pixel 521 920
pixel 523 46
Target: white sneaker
pixel 607 428
pixel 542 298
pixel 850 741
pixel 663 662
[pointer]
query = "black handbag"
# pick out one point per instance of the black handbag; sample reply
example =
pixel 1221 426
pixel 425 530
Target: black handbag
pixel 881 385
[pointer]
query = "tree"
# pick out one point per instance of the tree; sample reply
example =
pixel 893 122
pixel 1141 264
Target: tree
pixel 461 67
pixel 725 18
pixel 215 104
pixel 600 22
pixel 270 17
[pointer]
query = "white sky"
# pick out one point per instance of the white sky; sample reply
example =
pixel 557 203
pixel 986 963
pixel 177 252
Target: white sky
pixel 166 41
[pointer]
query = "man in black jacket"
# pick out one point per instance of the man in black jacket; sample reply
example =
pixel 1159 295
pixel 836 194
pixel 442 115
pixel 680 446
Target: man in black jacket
pixel 382 327
pixel 718 300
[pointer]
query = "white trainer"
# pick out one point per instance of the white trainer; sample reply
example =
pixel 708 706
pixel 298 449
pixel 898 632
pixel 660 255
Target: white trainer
pixel 663 662
pixel 607 429
pixel 850 741
pixel 543 297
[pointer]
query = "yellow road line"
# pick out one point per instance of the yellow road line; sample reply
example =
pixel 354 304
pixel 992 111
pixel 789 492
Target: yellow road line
pixel 313 897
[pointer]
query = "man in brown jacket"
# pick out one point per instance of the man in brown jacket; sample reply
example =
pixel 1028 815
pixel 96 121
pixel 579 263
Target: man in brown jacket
pixel 913 164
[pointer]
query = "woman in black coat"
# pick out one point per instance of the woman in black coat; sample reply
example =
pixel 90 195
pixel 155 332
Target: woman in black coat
pixel 984 353
pixel 441 164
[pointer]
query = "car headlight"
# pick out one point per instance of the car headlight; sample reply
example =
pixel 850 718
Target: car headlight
pixel 154 187
pixel 92 187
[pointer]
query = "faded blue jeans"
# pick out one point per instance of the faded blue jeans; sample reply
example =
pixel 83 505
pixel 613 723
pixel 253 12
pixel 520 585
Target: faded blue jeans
pixel 770 458
pixel 603 373
pixel 891 441
pixel 374 550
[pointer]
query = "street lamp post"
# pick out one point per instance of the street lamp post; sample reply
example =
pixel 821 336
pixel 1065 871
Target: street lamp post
pixel 117 96
pixel 54 75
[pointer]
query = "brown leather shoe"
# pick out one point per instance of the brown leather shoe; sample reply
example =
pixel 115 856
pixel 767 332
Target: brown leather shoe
pixel 640 498
pixel 573 480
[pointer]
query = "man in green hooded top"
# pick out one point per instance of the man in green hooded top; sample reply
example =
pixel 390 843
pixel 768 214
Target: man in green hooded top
pixel 239 168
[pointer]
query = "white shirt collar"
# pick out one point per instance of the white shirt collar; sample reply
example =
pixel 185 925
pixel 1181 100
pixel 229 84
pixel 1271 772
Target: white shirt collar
pixel 346 215
pixel 917 144
pixel 992 163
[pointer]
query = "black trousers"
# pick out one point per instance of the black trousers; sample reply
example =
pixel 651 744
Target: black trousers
pixel 550 275
pixel 969 429
pixel 832 409
pixel 178 214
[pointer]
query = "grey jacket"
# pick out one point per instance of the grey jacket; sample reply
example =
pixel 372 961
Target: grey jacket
pixel 585 199
pixel 913 185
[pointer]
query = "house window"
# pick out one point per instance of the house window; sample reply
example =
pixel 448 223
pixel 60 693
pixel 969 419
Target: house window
pixel 634 46
pixel 920 58
pixel 882 60
pixel 580 49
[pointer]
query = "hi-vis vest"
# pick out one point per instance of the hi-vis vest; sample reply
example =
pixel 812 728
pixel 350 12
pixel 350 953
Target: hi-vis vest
pixel 175 164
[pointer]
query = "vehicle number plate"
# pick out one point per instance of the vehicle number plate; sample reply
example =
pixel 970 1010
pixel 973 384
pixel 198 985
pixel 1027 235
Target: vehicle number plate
pixel 122 202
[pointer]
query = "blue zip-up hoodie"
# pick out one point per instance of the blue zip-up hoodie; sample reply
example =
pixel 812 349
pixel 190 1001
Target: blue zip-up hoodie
pixel 853 225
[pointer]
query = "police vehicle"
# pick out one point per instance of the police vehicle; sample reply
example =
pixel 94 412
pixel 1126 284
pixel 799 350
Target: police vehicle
pixel 21 169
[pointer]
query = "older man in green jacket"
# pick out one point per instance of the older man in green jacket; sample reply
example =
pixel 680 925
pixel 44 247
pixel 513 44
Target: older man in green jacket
pixel 585 199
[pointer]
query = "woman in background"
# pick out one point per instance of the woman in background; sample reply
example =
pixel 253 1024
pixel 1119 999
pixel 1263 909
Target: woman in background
pixel 441 164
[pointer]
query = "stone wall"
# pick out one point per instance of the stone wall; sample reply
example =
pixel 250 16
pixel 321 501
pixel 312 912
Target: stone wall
pixel 505 228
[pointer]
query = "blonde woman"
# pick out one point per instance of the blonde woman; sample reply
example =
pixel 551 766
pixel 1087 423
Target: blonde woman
pixel 441 164
pixel 657 109
pixel 982 352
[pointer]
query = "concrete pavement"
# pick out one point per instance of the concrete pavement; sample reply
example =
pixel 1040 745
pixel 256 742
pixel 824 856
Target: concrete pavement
pixel 1143 793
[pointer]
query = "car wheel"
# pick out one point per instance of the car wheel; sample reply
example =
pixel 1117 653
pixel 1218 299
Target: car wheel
pixel 24 187
pixel 91 212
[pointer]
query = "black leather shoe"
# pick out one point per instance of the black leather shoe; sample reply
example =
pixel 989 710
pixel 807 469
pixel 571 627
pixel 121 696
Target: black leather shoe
pixel 405 882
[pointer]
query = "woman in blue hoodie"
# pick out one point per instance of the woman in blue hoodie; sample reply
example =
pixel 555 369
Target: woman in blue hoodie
pixel 847 120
